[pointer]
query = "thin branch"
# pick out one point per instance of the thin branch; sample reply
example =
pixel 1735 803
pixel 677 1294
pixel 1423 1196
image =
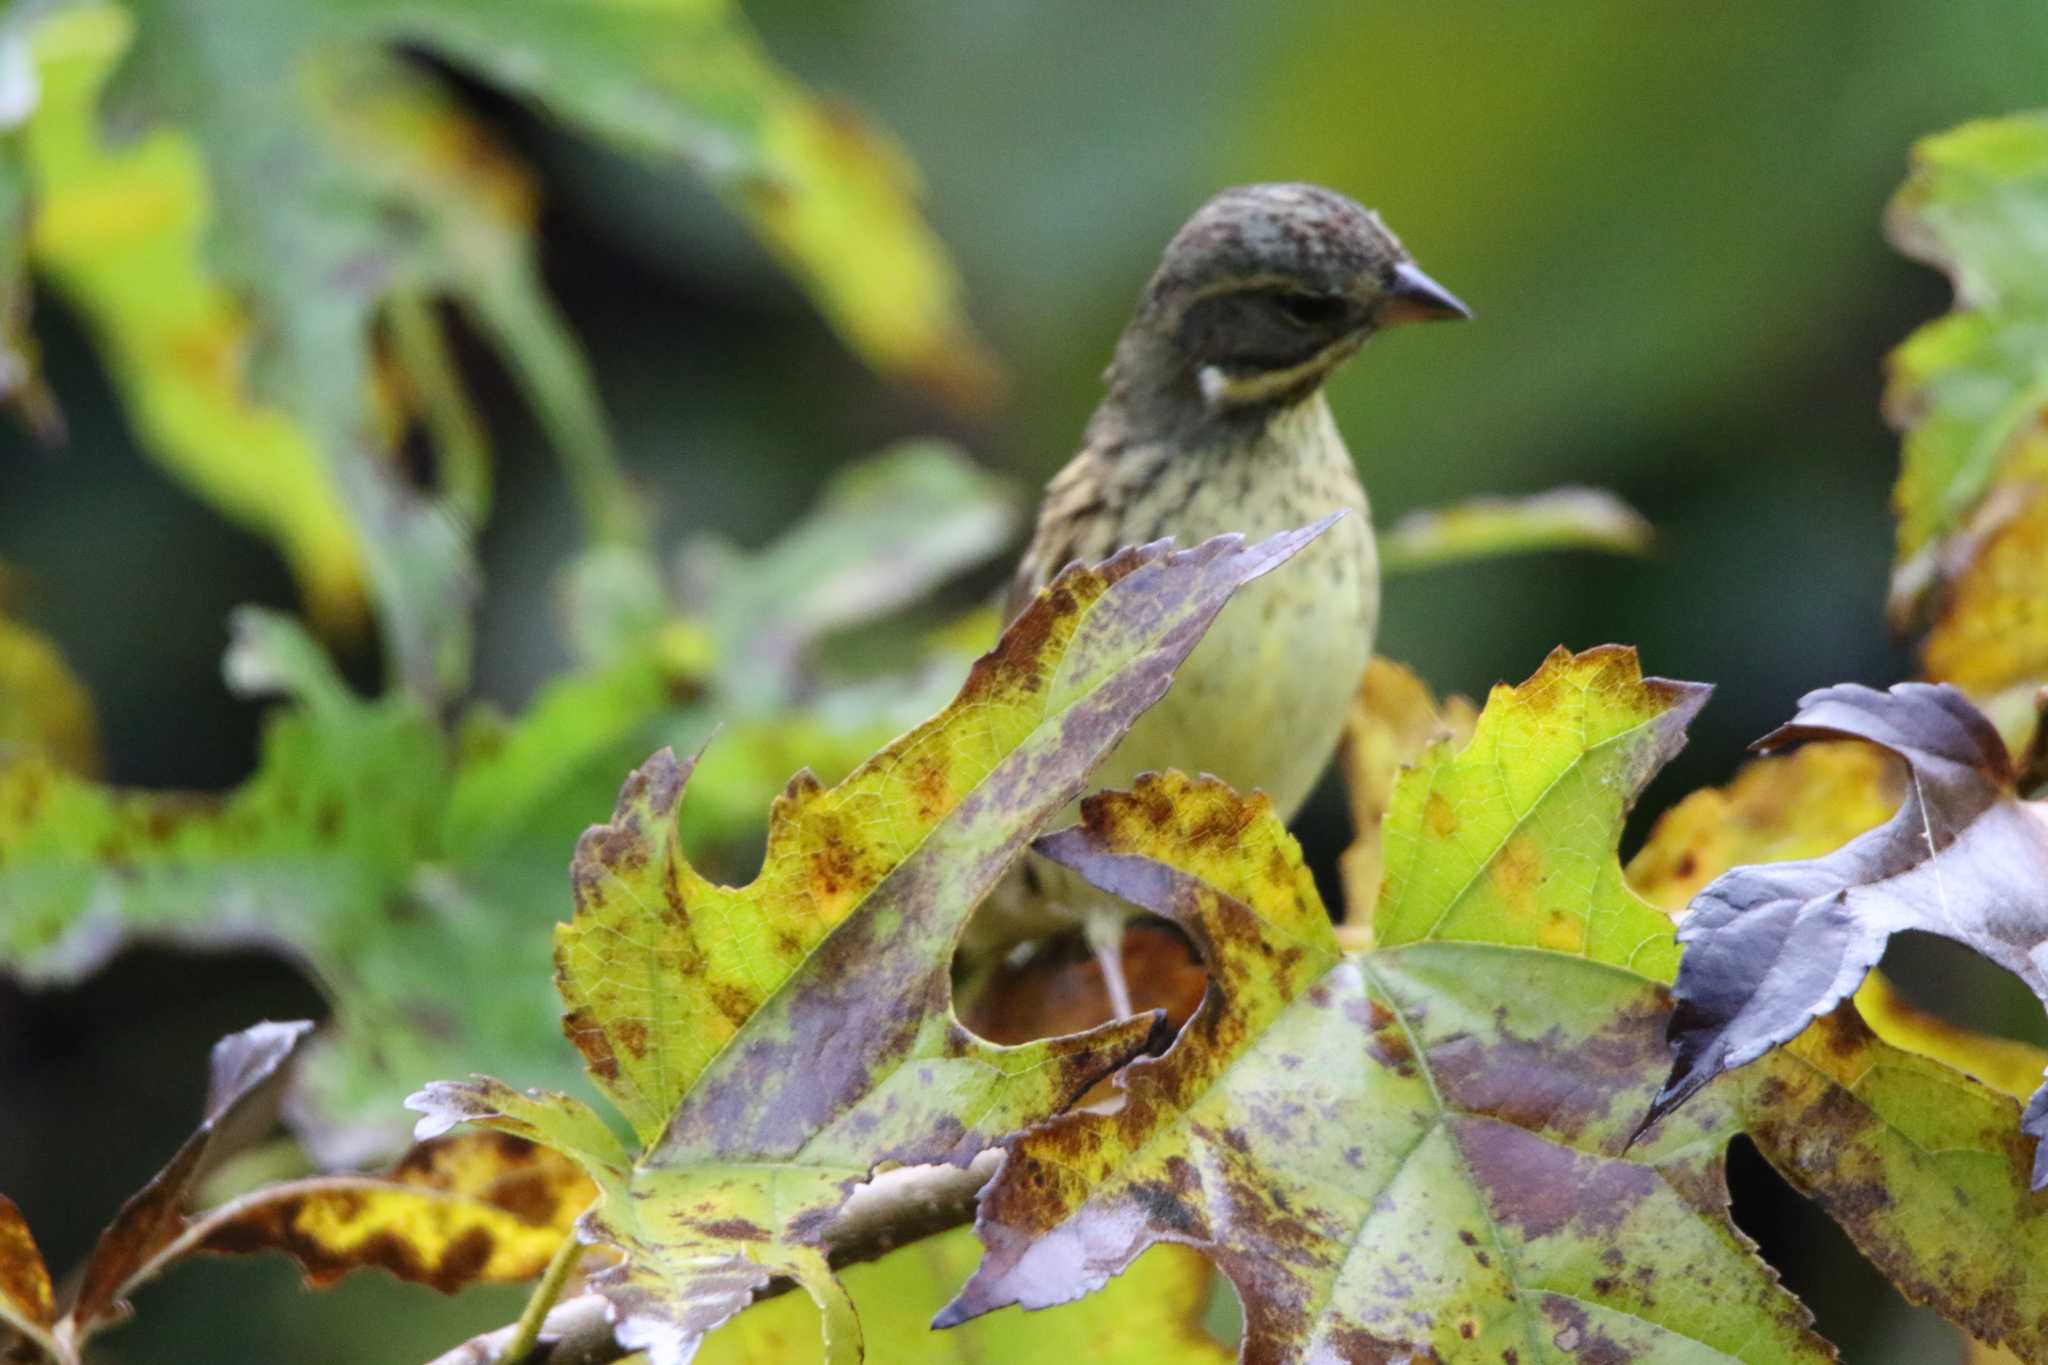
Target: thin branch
pixel 894 1209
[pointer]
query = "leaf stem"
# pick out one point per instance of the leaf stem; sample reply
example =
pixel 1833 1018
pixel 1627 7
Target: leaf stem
pixel 527 1331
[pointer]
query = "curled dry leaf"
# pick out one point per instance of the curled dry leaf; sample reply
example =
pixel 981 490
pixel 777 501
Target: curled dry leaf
pixel 772 1044
pixel 1769 948
pixel 1476 1202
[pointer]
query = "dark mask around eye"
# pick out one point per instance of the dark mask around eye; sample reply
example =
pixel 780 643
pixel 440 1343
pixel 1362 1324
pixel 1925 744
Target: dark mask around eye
pixel 1261 330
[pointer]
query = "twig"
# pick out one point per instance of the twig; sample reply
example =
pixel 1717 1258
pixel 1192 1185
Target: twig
pixel 894 1209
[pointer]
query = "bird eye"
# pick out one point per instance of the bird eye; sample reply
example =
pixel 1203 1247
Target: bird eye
pixel 1310 310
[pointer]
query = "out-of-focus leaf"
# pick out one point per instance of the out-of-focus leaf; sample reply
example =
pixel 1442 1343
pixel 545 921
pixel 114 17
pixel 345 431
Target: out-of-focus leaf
pixel 477 1208
pixel 882 535
pixel 1967 392
pixel 43 706
pixel 299 183
pixel 829 193
pixel 21 381
pixel 772 1044
pixel 1562 519
pixel 1769 948
pixel 1393 719
pixel 1797 805
pixel 27 1304
pixel 1412 1153
pixel 1150 1315
pixel 1524 815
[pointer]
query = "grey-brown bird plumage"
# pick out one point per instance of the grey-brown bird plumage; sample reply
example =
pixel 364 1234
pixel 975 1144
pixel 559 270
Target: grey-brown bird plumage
pixel 1215 421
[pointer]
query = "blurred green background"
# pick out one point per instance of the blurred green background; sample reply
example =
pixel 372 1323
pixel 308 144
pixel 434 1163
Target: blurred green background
pixel 1667 219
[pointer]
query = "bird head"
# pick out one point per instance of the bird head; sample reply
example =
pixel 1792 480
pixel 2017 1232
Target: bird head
pixel 1268 289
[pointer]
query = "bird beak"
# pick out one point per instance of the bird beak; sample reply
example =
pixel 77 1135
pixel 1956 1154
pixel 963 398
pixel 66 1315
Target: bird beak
pixel 1415 297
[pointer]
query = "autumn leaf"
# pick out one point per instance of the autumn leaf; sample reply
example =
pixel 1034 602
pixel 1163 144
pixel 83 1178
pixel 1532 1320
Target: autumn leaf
pixel 1769 948
pixel 1966 392
pixel 772 1044
pixel 1523 816
pixel 1417 1151
pixel 245 1087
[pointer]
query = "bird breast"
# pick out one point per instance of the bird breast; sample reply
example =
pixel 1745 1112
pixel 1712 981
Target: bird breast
pixel 1262 700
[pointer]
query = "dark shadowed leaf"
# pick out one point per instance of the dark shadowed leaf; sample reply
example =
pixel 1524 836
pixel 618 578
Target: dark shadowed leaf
pixel 1418 1152
pixel 772 1044
pixel 1769 948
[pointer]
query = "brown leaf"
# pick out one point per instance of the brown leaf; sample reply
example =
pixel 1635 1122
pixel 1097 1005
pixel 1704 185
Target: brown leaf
pixel 246 1085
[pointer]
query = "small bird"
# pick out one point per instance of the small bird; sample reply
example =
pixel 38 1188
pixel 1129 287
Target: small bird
pixel 1215 421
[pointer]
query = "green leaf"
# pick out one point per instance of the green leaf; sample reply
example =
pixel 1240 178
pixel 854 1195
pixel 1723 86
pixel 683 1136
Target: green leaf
pixel 773 1044
pixel 1417 1151
pixel 1562 519
pixel 1967 392
pixel 1510 839
pixel 1151 1315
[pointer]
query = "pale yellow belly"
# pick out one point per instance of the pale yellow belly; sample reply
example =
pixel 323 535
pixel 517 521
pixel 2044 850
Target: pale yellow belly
pixel 1262 700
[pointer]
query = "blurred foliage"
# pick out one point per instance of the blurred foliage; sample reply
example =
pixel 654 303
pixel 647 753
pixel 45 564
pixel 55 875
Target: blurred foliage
pixel 237 261
pixel 416 873
pixel 1969 392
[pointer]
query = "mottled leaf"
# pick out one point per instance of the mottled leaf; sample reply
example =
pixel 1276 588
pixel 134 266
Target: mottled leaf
pixel 772 1044
pixel 413 874
pixel 1769 948
pixel 1562 519
pixel 477 1208
pixel 1149 1316
pixel 1417 1153
pixel 1924 1168
pixel 1800 804
pixel 1393 720
pixel 1967 393
pixel 1524 815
